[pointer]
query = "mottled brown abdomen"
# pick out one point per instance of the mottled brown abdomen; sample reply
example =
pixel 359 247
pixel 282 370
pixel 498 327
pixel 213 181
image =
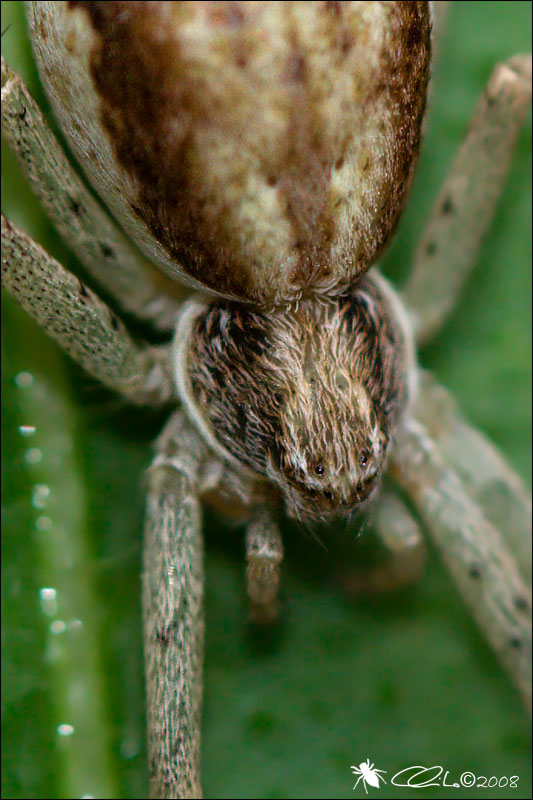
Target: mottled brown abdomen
pixel 260 150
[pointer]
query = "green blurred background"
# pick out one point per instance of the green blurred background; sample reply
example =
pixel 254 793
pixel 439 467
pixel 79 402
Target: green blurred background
pixel 402 680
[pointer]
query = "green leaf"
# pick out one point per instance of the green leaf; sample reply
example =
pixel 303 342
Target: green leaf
pixel 401 680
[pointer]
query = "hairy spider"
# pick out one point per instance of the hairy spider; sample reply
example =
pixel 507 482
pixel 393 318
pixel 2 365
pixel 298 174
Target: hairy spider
pixel 316 466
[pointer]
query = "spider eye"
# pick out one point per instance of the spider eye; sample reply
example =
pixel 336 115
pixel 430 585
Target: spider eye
pixel 319 469
pixel 364 460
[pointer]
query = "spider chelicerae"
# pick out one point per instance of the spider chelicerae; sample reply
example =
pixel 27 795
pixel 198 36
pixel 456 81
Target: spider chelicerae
pixel 472 568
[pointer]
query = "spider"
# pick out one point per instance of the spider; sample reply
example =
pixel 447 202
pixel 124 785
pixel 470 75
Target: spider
pixel 473 576
pixel 368 773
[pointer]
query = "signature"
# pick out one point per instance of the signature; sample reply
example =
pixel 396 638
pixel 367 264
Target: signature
pixel 420 777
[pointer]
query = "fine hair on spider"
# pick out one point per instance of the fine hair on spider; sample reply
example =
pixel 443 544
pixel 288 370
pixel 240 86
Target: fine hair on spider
pixel 250 163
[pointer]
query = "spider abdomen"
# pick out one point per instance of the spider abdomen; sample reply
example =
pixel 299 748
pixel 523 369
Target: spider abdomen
pixel 260 150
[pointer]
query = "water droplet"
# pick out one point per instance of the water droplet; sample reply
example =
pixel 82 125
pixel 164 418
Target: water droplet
pixel 129 748
pixel 33 455
pixel 75 625
pixel 58 626
pixel 27 430
pixel 65 730
pixel 40 495
pixel 48 601
pixel 23 379
pixel 43 523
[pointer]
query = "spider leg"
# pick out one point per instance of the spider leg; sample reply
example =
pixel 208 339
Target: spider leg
pixel 80 322
pixel 87 229
pixel 479 560
pixel 400 534
pixel 264 553
pixel 464 208
pixel 173 588
pixel 486 475
pixel 357 781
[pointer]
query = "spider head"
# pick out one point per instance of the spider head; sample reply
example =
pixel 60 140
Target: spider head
pixel 308 396
pixel 341 368
pixel 332 449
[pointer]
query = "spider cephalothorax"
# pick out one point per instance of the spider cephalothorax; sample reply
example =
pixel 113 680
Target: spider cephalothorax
pixel 310 396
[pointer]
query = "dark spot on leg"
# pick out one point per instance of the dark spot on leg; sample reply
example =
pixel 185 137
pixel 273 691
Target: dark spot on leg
pixel 447 206
pixel 106 251
pixel 431 248
pixel 515 643
pixel 76 207
pixel 162 636
pixel 339 163
pixel 521 603
pixel 474 571
pixel 166 632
